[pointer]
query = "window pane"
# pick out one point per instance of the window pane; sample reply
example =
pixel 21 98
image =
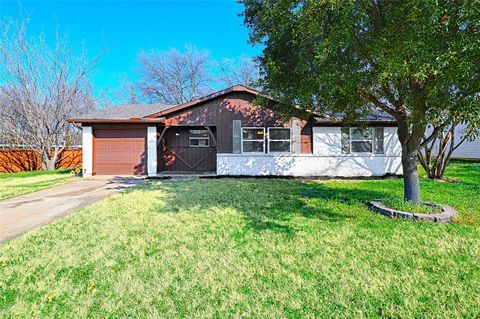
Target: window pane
pixel 279 134
pixel 276 146
pixel 252 146
pixel 361 147
pixel 199 133
pixel 252 134
pixel 201 142
pixel 361 134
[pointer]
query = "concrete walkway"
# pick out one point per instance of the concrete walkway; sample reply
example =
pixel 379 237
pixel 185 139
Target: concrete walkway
pixel 24 213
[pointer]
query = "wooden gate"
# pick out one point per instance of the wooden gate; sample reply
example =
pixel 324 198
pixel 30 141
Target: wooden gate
pixel 188 149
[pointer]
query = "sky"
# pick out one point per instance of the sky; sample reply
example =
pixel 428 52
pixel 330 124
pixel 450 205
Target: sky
pixel 124 28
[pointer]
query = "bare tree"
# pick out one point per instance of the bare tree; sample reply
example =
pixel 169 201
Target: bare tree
pixel 245 71
pixel 133 95
pixel 174 77
pixel 41 86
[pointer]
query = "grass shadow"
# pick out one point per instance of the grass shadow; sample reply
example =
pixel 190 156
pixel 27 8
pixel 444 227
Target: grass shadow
pixel 264 204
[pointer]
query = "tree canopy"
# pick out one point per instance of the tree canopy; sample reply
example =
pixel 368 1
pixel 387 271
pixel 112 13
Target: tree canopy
pixel 417 60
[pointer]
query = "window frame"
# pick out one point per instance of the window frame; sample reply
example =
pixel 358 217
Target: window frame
pixel 253 128
pixel 190 138
pixel 282 140
pixel 372 140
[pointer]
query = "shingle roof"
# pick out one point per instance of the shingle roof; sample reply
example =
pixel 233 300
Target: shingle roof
pixel 125 111
pixel 377 116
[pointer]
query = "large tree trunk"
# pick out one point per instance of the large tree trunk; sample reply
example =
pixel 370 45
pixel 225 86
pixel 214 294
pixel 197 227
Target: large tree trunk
pixel 49 159
pixel 411 184
pixel 410 141
pixel 48 164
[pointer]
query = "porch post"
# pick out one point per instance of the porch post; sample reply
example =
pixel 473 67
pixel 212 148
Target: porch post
pixel 152 150
pixel 87 150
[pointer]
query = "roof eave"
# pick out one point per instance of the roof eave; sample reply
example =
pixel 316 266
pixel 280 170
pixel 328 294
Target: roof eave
pixel 120 121
pixel 340 122
pixel 209 97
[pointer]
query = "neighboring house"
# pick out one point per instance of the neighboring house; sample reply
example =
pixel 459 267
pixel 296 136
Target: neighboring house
pixel 466 150
pixel 227 134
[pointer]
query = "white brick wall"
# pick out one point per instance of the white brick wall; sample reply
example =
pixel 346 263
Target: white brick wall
pixel 87 150
pixel 152 150
pixel 326 159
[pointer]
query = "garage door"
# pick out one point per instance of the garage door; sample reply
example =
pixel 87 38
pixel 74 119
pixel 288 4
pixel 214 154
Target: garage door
pixel 120 151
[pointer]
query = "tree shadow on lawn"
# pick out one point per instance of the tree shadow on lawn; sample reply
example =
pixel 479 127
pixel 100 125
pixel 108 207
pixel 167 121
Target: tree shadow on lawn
pixel 267 205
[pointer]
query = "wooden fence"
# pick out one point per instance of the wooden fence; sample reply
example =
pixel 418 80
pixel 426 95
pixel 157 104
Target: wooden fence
pixel 21 160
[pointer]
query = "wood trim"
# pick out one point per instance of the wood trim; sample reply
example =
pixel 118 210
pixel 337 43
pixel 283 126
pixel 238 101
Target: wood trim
pixel 212 136
pixel 162 134
pixel 123 121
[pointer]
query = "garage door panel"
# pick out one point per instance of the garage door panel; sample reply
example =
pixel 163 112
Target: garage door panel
pixel 129 146
pixel 120 151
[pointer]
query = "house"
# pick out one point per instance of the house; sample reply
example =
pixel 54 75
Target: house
pixel 226 133
pixel 467 150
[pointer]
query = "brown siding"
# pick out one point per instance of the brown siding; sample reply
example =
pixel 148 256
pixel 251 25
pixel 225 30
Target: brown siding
pixel 306 146
pixel 222 111
pixel 176 154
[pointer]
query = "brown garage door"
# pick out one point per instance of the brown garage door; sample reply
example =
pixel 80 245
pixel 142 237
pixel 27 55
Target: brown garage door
pixel 120 151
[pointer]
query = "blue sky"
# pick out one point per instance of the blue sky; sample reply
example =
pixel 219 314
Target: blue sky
pixel 126 27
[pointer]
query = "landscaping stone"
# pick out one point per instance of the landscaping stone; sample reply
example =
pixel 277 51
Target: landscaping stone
pixel 446 216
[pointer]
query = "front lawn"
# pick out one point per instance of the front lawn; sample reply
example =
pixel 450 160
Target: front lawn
pixel 16 184
pixel 253 249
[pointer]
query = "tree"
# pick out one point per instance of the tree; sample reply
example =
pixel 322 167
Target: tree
pixel 417 60
pixel 41 86
pixel 244 72
pixel 174 77
pixel 435 154
pixel 133 95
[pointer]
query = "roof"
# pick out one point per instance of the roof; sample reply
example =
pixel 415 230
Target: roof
pixel 152 113
pixel 125 111
pixel 376 116
pixel 206 98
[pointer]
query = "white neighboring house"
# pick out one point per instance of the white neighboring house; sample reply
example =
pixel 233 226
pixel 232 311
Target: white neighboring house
pixel 467 150
pixel 227 133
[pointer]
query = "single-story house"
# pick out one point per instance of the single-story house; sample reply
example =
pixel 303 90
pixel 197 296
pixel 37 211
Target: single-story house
pixel 226 133
pixel 467 150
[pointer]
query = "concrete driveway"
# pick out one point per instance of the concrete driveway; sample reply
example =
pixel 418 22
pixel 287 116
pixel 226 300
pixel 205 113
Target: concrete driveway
pixel 23 213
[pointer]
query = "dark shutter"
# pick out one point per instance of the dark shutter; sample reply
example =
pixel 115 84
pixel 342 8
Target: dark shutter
pixel 237 137
pixel 379 140
pixel 345 140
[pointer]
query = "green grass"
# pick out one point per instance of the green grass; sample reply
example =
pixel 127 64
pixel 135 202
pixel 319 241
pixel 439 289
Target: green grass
pixel 399 204
pixel 16 184
pixel 251 249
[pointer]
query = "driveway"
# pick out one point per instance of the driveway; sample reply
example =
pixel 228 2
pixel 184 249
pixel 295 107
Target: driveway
pixel 21 214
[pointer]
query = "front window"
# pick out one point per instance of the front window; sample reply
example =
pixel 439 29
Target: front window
pixel 253 140
pixel 361 140
pixel 279 140
pixel 199 138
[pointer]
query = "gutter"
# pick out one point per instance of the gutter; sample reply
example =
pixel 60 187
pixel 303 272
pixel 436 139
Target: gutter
pixel 132 120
